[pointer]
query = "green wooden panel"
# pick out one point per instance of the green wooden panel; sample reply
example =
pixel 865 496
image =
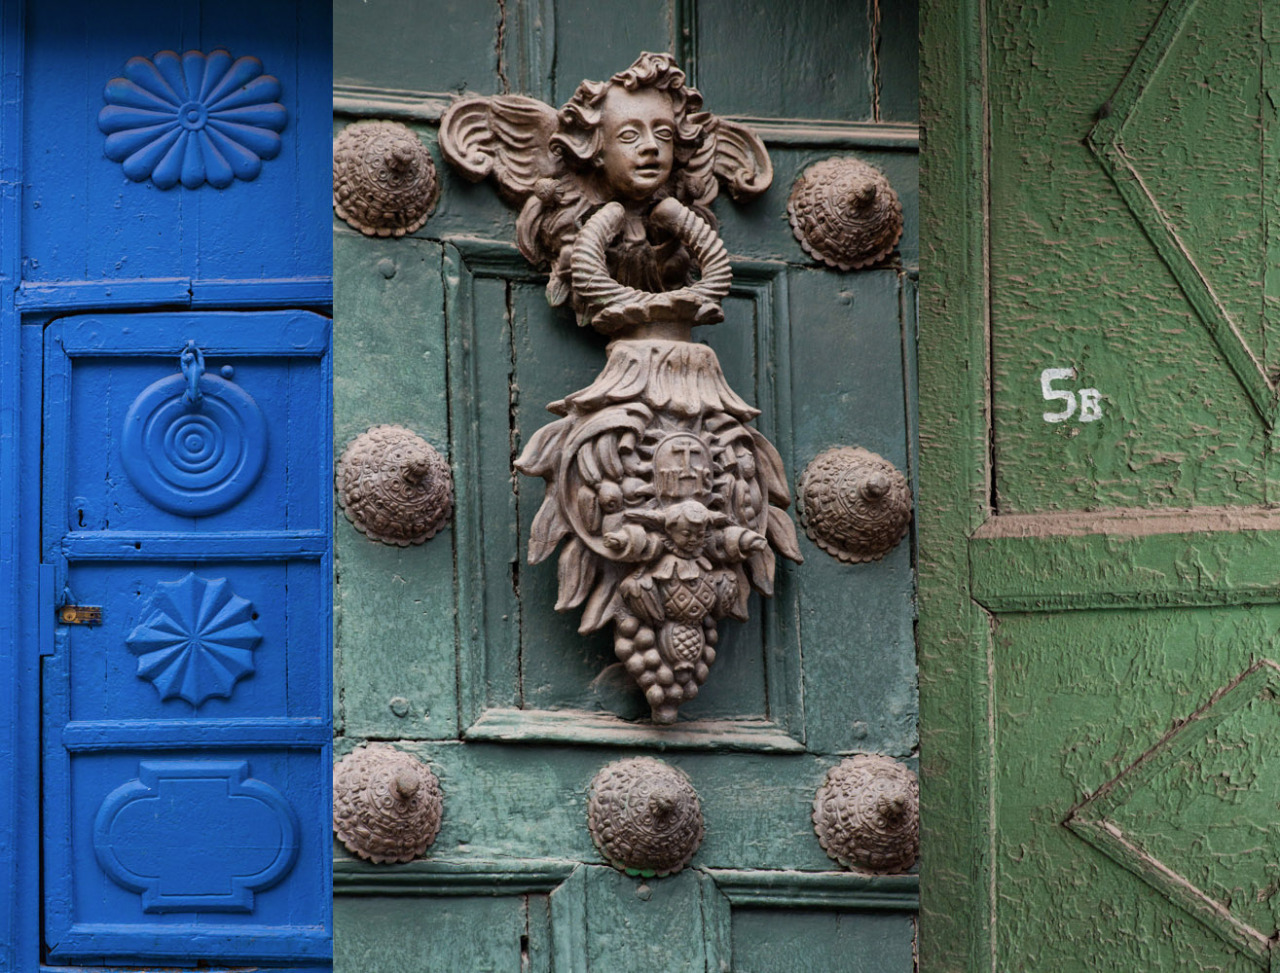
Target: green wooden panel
pixel 412 935
pixel 830 942
pixel 594 43
pixel 389 368
pixel 1068 723
pixel 505 804
pixel 814 56
pixel 637 927
pixel 1077 282
pixel 848 376
pixel 444 46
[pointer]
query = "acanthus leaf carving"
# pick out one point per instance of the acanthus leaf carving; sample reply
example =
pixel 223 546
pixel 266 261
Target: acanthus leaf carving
pixel 670 508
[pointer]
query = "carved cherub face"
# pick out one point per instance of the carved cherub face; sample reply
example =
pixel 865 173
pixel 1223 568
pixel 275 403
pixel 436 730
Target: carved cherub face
pixel 637 148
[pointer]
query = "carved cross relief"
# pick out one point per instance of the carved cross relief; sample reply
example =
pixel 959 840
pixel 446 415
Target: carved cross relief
pixel 669 506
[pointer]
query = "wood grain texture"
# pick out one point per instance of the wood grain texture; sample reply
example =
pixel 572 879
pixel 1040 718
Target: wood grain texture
pixel 827 356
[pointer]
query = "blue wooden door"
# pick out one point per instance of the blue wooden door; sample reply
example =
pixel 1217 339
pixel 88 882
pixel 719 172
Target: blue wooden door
pixel 185 734
pixel 165 482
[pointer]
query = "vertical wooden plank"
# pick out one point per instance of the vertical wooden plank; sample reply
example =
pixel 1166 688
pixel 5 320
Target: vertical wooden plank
pixel 462 933
pixel 637 926
pixel 898 60
pixel 953 638
pixel 593 45
pixel 390 368
pixel 854 617
pixel 19 505
pixel 397 44
pixel 765 941
pixel 807 59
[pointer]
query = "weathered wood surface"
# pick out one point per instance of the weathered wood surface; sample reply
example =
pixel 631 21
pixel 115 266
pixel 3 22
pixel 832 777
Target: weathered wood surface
pixel 454 651
pixel 1097 185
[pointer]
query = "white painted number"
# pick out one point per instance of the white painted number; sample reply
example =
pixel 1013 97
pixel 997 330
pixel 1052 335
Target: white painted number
pixel 1090 401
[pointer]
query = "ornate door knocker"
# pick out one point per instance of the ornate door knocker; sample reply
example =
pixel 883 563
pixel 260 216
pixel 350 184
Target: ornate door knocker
pixel 671 506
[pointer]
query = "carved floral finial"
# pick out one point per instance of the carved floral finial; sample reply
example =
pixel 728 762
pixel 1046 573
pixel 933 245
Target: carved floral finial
pixel 670 507
pixel 387 804
pixel 854 504
pixel 844 213
pixel 867 814
pixel 394 486
pixel 384 182
pixel 644 816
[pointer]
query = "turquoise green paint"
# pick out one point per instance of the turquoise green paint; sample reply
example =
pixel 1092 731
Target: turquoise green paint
pixel 513 710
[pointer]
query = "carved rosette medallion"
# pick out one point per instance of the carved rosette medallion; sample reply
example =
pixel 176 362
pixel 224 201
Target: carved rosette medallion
pixel 867 814
pixel 192 118
pixel 196 639
pixel 844 213
pixel 387 804
pixel 384 181
pixel 854 504
pixel 644 817
pixel 394 486
pixel 670 507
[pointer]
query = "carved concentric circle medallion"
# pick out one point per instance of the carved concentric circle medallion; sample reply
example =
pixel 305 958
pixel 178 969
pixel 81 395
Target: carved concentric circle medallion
pixel 384 181
pixel 844 213
pixel 194 459
pixel 387 804
pixel 645 817
pixel 867 814
pixel 854 504
pixel 394 486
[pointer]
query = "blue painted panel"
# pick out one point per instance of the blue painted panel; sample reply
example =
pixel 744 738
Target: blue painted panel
pixel 186 737
pixel 105 225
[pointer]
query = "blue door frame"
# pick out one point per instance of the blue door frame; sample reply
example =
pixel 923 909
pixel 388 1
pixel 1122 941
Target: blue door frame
pixel 43 278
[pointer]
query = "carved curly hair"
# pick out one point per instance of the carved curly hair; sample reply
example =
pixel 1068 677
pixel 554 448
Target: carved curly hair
pixel 551 218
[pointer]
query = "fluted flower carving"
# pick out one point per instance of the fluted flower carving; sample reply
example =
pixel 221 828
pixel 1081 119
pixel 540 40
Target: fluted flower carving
pixel 192 118
pixel 196 640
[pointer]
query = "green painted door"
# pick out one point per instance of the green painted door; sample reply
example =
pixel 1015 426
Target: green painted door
pixel 452 650
pixel 1099 607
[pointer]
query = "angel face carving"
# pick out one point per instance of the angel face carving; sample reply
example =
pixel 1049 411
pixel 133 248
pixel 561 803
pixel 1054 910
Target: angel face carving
pixel 638 129
pixel 670 506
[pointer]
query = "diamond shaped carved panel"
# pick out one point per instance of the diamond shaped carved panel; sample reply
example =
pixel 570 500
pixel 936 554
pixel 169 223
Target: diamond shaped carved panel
pixel 1196 816
pixel 1190 138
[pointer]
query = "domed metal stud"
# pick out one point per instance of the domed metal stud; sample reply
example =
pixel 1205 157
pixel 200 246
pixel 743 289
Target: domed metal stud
pixel 387 804
pixel 867 814
pixel 844 213
pixel 394 486
pixel 384 182
pixel 854 504
pixel 645 817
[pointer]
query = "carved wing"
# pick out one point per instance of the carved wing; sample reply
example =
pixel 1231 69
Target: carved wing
pixel 503 136
pixel 742 162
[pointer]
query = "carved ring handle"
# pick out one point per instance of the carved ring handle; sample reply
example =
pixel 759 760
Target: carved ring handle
pixel 593 283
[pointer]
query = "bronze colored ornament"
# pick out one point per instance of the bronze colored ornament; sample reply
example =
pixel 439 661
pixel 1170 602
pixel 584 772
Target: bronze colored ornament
pixel 670 506
pixel 387 804
pixel 394 486
pixel 384 182
pixel 844 213
pixel 867 814
pixel 854 504
pixel 645 817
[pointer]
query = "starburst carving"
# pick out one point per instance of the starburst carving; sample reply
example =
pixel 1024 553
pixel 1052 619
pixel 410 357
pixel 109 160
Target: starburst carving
pixel 197 639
